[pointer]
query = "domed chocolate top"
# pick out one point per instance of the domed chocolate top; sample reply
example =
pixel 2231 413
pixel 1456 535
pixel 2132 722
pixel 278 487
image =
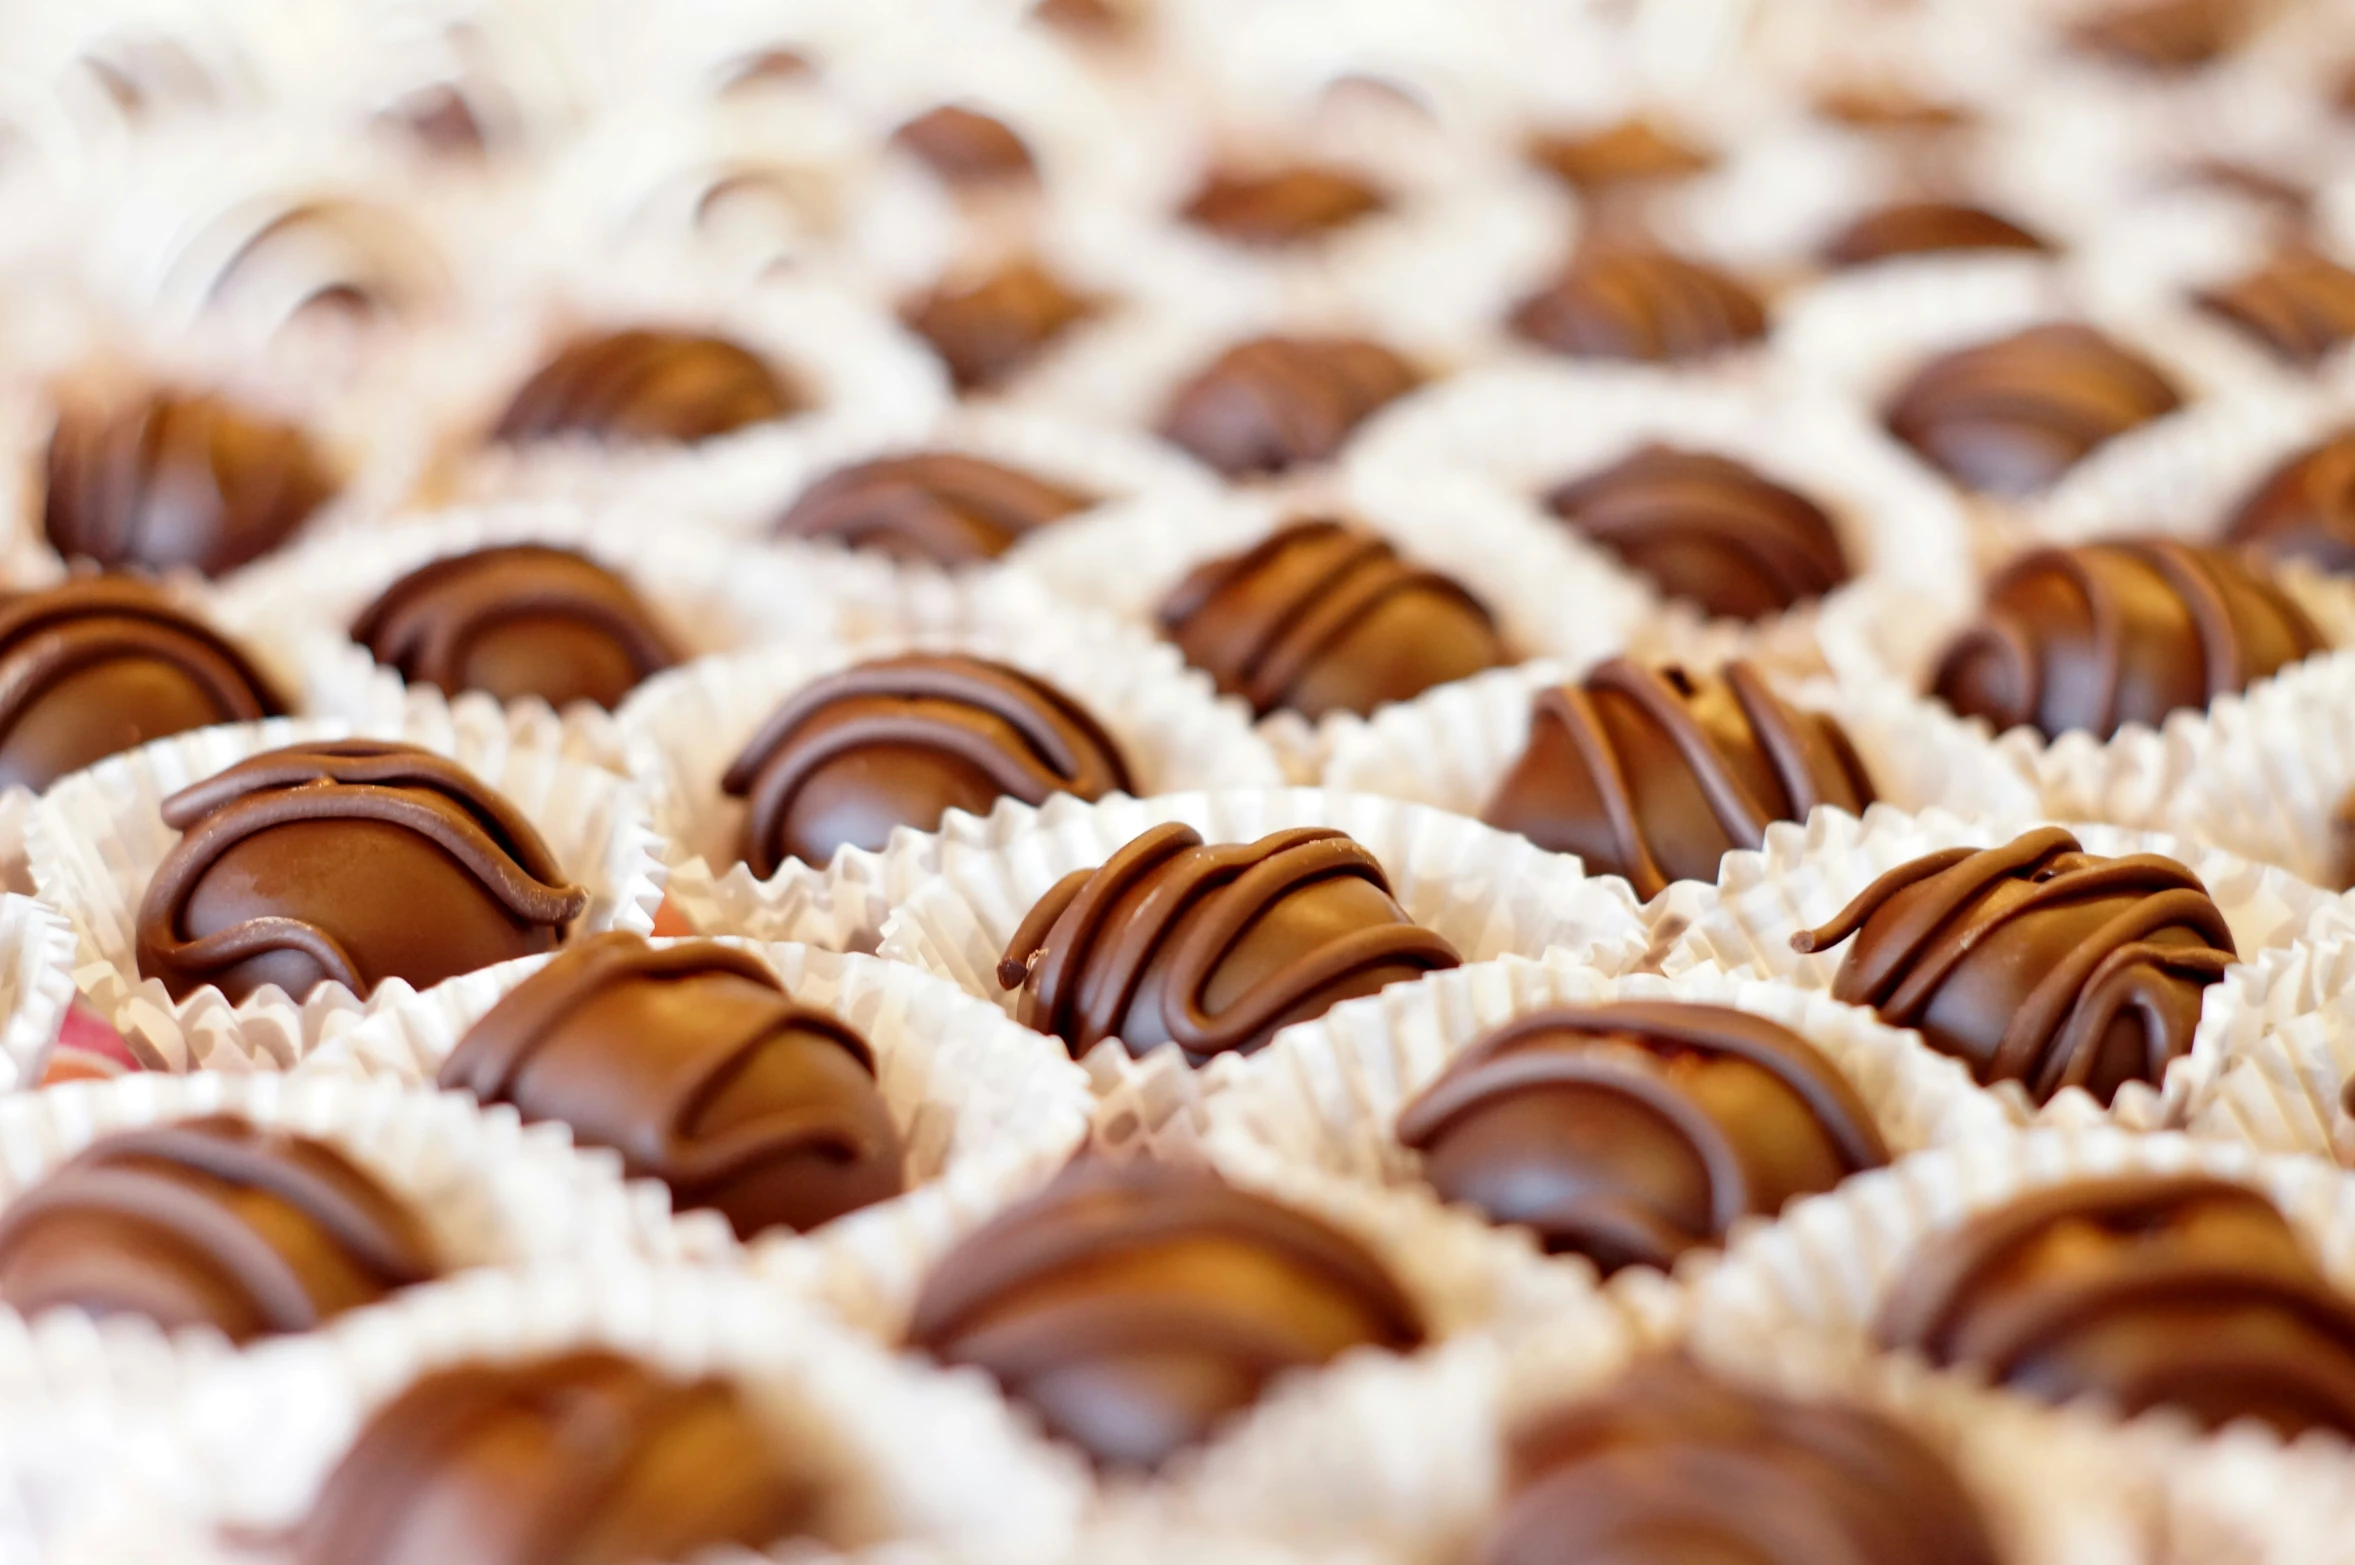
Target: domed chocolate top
pixel 901 741
pixel 210 1222
pixel 2036 962
pixel 1285 206
pixel 1707 528
pixel 646 385
pixel 987 330
pixel 1642 304
pixel 2163 35
pixel 966 147
pixel 2180 1291
pixel 1633 1132
pixel 2011 416
pixel 517 620
pixel 940 507
pixel 2106 634
pixel 1670 1466
pixel 1632 151
pixel 173 480
pixel 102 664
pixel 1923 228
pixel 693 1063
pixel 2305 508
pixel 1319 617
pixel 352 861
pixel 1276 402
pixel 2299 305
pixel 1657 774
pixel 588 1459
pixel 1135 1306
pixel 1889 108
pixel 1212 948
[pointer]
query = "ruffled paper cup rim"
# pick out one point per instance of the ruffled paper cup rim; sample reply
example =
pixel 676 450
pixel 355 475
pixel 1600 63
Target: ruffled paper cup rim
pixel 2287 1027
pixel 985 1108
pixel 36 987
pixel 83 866
pixel 684 728
pixel 1806 873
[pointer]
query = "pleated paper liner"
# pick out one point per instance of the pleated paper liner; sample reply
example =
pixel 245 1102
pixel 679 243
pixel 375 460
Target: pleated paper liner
pixel 96 840
pixel 1806 874
pixel 36 987
pixel 2290 1053
pixel 988 1111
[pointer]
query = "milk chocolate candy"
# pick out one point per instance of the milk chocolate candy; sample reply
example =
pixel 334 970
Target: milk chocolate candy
pixel 934 507
pixel 352 861
pixel 988 329
pixel 1634 151
pixel 643 385
pixel 1213 949
pixel 693 1063
pixel 1926 228
pixel 1284 206
pixel 2036 962
pixel 1637 303
pixel 2305 508
pixel 1276 403
pixel 2163 37
pixel 965 147
pixel 2300 306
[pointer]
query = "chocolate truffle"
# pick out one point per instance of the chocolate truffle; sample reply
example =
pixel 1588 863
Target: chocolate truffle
pixel 1670 1465
pixel 1633 1132
pixel 2300 306
pixel 2305 508
pixel 986 331
pixel 694 1064
pixel 1707 528
pixel 645 385
pixel 2163 36
pixel 937 507
pixel 966 147
pixel 1212 948
pixel 1615 302
pixel 517 620
pixel 1274 403
pixel 1631 152
pixel 2009 417
pixel 1135 1306
pixel 351 861
pixel 210 1223
pixel 1279 207
pixel 901 741
pixel 2154 1290
pixel 177 480
pixel 1925 228
pixel 588 1459
pixel 102 664
pixel 1656 774
pixel 2036 962
pixel 1319 617
pixel 2104 634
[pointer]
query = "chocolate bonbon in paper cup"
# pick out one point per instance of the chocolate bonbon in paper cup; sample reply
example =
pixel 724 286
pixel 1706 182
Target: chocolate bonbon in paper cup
pixel 98 839
pixel 687 728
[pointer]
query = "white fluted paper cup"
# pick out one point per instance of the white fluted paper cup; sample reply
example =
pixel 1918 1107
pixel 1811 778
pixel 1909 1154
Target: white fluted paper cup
pixel 97 838
pixel 36 987
pixel 684 729
pixel 2288 1050
pixel 1806 874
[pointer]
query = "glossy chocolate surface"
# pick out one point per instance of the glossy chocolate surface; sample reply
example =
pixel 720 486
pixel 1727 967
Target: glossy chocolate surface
pixel 1212 948
pixel 1709 529
pixel 102 664
pixel 2009 417
pixel 1632 1132
pixel 1655 774
pixel 351 861
pixel 966 147
pixel 694 1064
pixel 1320 617
pixel 2101 635
pixel 1641 304
pixel 1926 228
pixel 2305 508
pixel 1136 1306
pixel 901 741
pixel 585 1459
pixel 1278 207
pixel 178 480
pixel 1635 151
pixel 2299 306
pixel 1275 403
pixel 987 329
pixel 210 1222
pixel 936 507
pixel 1670 1466
pixel 2163 36
pixel 2180 1291
pixel 641 385
pixel 516 621
pixel 2036 962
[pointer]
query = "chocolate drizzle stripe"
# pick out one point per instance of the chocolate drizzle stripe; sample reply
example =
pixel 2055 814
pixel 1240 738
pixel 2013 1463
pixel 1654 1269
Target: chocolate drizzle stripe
pixel 2220 641
pixel 1787 749
pixel 1079 914
pixel 32 663
pixel 1574 709
pixel 252 937
pixel 1957 878
pixel 1742 817
pixel 2038 1018
pixel 2127 977
pixel 430 619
